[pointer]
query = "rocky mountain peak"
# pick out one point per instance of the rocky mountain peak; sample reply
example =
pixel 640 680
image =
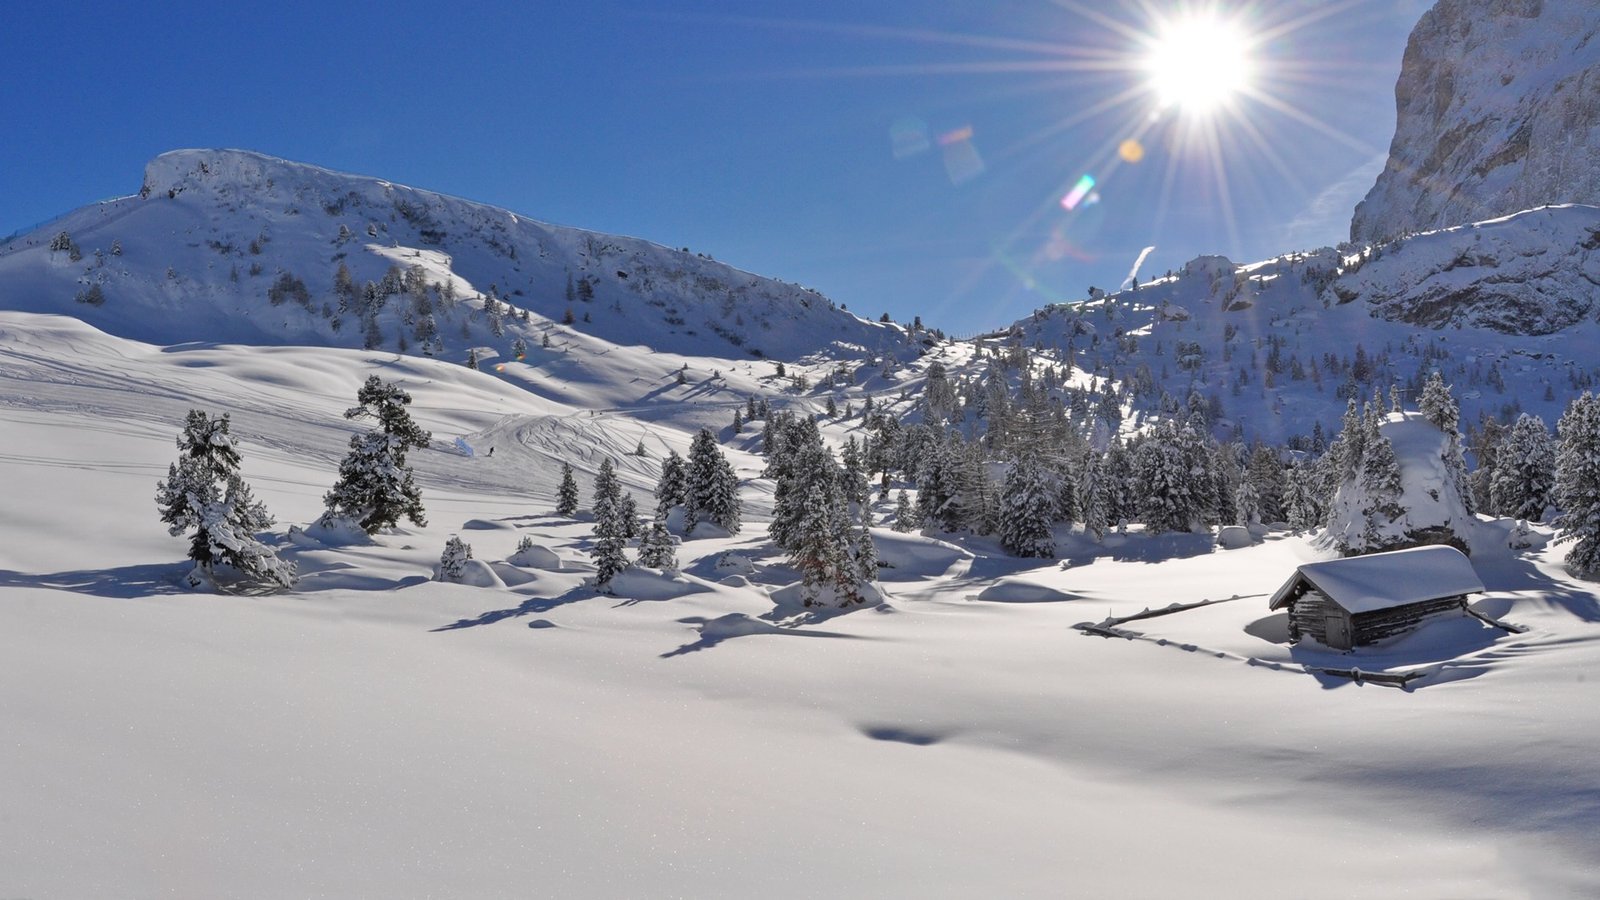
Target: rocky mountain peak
pixel 1498 107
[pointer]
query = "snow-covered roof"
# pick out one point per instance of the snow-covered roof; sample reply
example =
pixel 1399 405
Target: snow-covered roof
pixel 1385 580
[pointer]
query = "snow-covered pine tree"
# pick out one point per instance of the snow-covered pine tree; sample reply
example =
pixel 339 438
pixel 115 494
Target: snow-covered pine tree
pixel 567 492
pixel 1439 407
pixel 375 488
pixel 905 515
pixel 1265 473
pixel 472 359
pixel 1092 501
pixel 1118 470
pixel 1303 508
pixel 204 491
pixel 628 510
pixel 1577 487
pixel 853 477
pixel 670 487
pixel 453 562
pixel 606 486
pixel 866 556
pixel 1246 504
pixel 1524 471
pixel 785 466
pixel 820 547
pixel 937 484
pixel 656 550
pixel 1167 476
pixel 1026 511
pixel 610 533
pixel 711 488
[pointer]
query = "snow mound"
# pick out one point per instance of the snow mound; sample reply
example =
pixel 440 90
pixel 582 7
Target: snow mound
pixel 1234 537
pixel 474 573
pixel 1015 590
pixel 915 556
pixel 735 563
pixel 330 531
pixel 536 557
pixel 639 583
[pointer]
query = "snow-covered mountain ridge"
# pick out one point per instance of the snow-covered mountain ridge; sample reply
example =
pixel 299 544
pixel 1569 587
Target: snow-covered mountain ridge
pixel 1498 111
pixel 1506 309
pixel 234 246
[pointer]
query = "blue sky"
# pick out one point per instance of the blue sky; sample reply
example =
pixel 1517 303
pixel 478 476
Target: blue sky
pixel 907 157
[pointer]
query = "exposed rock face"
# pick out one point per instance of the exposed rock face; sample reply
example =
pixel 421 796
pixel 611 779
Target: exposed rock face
pixel 1533 273
pixel 1498 111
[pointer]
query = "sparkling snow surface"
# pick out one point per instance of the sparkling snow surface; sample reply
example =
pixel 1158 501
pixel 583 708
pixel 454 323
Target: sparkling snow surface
pixel 376 733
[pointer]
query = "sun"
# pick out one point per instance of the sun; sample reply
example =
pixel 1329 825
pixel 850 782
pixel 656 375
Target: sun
pixel 1199 63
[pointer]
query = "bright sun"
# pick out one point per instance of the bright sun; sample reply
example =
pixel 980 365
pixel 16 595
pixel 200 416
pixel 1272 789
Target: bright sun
pixel 1197 64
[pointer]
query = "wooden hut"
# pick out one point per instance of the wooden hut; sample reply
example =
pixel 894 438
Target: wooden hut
pixel 1360 600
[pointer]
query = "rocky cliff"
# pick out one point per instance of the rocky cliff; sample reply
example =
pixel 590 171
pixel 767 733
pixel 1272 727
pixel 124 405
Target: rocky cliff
pixel 1498 111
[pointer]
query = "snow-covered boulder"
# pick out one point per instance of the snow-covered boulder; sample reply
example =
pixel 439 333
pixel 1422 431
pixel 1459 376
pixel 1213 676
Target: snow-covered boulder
pixel 330 531
pixel 1014 590
pixel 535 556
pixel 1234 537
pixel 735 564
pixel 473 573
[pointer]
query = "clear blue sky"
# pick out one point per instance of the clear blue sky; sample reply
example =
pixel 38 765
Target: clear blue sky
pixel 900 156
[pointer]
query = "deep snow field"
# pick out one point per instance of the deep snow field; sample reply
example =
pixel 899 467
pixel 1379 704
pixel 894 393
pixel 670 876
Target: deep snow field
pixel 375 733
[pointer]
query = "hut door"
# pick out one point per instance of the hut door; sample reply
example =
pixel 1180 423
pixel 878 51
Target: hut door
pixel 1338 632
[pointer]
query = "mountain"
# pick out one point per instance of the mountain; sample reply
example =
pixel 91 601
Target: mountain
pixel 1498 111
pixel 1506 309
pixel 233 246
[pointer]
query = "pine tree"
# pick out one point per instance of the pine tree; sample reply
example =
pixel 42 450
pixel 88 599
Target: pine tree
pixel 1026 508
pixel 610 532
pixel 711 487
pixel 453 562
pixel 817 533
pixel 1380 480
pixel 1168 479
pixel 203 491
pixel 628 510
pixel 905 516
pixel 375 487
pixel 1092 500
pixel 1439 407
pixel 866 556
pixel 472 360
pixel 1247 504
pixel 656 550
pixel 1577 487
pixel 1301 499
pixel 671 489
pixel 567 493
pixel 1524 471
pixel 606 486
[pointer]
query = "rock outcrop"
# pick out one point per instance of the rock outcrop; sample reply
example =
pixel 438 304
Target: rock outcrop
pixel 1498 111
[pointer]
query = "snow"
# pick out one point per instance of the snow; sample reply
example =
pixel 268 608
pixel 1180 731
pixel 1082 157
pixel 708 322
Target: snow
pixel 1386 580
pixel 376 732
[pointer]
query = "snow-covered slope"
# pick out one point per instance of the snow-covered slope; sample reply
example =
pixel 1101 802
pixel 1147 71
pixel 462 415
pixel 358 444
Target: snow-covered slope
pixel 196 254
pixel 1499 111
pixel 1505 309
pixel 376 733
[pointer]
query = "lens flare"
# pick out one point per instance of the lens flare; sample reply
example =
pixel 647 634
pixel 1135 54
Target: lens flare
pixel 1078 193
pixel 1131 151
